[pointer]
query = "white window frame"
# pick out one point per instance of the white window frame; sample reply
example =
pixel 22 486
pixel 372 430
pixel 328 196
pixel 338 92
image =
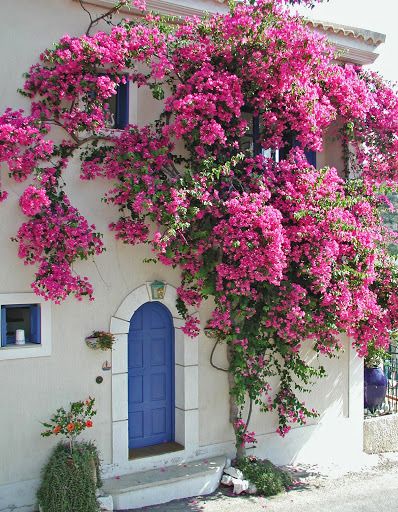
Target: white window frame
pixel 29 349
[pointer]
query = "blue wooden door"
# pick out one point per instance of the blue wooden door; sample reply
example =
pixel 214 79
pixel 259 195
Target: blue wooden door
pixel 151 376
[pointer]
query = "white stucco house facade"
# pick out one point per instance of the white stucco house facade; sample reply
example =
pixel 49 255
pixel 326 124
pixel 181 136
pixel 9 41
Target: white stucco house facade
pixel 35 379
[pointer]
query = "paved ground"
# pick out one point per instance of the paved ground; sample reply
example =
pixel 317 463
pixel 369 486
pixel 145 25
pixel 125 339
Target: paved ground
pixel 372 489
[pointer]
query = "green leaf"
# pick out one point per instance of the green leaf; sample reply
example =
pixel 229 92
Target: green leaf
pixel 157 91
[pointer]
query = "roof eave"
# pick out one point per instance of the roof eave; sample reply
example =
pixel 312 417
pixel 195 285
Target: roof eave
pixel 373 39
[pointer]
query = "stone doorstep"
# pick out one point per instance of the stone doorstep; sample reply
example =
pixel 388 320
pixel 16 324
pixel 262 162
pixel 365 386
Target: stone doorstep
pixel 204 474
pixel 161 476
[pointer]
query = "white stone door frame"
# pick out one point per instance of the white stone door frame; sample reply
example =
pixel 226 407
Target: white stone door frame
pixel 186 380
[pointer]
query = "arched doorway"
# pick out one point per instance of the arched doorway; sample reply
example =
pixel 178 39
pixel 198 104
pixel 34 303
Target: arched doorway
pixel 150 376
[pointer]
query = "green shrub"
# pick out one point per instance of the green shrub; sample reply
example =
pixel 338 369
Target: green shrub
pixel 268 478
pixel 68 479
pixel 375 356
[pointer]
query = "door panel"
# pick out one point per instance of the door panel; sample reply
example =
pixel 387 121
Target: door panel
pixel 151 376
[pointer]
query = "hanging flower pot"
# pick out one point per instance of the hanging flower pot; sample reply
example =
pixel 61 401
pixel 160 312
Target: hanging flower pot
pixel 100 340
pixel 92 342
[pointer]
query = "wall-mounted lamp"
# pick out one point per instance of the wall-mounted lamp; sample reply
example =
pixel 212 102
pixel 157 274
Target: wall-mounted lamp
pixel 158 289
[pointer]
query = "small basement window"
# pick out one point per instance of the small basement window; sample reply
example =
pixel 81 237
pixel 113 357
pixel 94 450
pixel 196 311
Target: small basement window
pixel 20 324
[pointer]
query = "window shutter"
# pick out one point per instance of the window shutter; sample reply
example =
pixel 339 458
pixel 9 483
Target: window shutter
pixel 311 156
pixel 122 106
pixel 256 136
pixel 292 142
pixel 35 333
pixel 3 327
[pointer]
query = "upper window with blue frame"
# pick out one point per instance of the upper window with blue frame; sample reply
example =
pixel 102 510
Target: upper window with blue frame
pixel 20 324
pixel 118 117
pixel 292 142
pixel 251 141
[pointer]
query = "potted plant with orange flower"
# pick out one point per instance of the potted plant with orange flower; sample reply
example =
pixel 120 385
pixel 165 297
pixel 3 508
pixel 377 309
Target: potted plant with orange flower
pixel 72 475
pixel 71 423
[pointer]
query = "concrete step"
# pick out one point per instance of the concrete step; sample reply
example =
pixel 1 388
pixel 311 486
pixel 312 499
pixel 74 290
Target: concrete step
pixel 165 484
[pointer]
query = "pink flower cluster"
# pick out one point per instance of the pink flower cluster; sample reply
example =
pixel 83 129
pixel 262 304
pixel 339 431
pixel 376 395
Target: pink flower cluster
pixel 191 327
pixel 207 102
pixel 22 144
pixel 252 238
pixel 334 243
pixel 33 200
pixel 130 231
pixel 290 409
pixel 54 239
pixel 243 435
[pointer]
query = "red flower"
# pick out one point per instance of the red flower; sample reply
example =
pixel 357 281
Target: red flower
pixel 57 429
pixel 70 427
pixel 89 423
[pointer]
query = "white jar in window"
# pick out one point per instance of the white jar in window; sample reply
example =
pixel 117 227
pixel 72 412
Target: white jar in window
pixel 20 337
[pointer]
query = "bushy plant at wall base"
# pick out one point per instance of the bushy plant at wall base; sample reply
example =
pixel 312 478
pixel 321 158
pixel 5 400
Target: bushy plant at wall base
pixel 72 474
pixel 293 256
pixel 69 481
pixel 268 478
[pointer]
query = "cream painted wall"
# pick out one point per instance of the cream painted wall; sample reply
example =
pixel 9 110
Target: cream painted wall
pixel 330 396
pixel 31 389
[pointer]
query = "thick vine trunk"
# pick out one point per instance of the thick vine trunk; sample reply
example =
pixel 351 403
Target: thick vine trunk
pixel 233 407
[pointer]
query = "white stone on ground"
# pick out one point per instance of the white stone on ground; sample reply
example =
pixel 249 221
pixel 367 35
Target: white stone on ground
pixel 240 485
pixel 227 480
pixel 105 503
pixel 234 472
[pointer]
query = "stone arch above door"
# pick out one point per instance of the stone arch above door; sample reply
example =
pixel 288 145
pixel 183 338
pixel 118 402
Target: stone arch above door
pixel 186 379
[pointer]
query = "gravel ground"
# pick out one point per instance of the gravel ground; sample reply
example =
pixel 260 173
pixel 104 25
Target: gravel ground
pixel 370 489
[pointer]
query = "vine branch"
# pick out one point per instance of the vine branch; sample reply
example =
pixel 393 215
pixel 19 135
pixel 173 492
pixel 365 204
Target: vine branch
pixel 107 14
pixel 211 360
pixel 249 414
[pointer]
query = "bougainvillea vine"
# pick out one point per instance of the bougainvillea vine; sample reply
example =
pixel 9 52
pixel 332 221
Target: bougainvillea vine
pixel 293 255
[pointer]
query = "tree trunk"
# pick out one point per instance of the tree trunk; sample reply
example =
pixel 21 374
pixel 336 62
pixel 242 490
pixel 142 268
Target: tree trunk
pixel 233 407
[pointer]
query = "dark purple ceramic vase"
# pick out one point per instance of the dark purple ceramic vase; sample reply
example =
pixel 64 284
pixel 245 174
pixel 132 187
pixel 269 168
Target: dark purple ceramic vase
pixel 375 388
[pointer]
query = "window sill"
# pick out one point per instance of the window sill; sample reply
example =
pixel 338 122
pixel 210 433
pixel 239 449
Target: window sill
pixel 12 346
pixel 103 132
pixel 110 132
pixel 24 351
